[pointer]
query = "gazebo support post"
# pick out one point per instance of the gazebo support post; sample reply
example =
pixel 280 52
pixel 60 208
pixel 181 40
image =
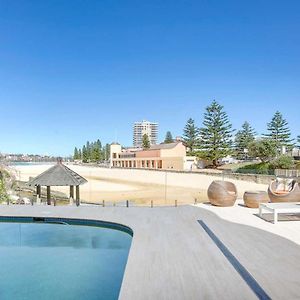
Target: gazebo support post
pixel 38 194
pixel 48 195
pixel 77 196
pixel 71 194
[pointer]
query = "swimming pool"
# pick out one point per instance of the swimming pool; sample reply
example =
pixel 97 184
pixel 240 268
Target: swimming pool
pixel 61 258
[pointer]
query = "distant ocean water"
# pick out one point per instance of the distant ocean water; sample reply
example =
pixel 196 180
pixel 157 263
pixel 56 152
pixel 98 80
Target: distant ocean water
pixel 25 163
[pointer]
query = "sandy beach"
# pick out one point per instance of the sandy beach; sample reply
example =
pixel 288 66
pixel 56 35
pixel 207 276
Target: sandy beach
pixel 137 186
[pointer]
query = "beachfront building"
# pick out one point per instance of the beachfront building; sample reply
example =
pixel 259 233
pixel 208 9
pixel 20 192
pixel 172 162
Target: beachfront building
pixel 144 127
pixel 162 156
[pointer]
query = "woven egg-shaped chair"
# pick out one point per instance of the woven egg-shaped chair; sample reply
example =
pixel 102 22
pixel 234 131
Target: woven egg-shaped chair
pixel 222 193
pixel 284 196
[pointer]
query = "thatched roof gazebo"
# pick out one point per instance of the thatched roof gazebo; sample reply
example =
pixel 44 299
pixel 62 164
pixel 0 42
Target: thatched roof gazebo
pixel 58 175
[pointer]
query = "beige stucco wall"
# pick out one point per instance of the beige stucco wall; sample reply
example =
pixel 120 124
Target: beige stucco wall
pixel 175 163
pixel 147 154
pixel 114 149
pixel 178 151
pixel 171 158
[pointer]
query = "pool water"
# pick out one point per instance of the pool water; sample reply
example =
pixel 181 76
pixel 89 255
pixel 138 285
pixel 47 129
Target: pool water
pixel 55 261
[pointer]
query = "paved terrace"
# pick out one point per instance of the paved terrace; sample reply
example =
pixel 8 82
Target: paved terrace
pixel 172 257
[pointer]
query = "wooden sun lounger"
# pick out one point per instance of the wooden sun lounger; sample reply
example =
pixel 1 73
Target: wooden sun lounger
pixel 279 208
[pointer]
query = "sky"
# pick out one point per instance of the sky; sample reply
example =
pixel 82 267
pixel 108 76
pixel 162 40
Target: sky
pixel 72 71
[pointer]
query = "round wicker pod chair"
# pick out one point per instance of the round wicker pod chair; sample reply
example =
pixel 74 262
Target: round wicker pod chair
pixel 285 196
pixel 222 193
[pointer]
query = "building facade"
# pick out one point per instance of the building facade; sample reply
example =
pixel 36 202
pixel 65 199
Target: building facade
pixel 162 156
pixel 144 127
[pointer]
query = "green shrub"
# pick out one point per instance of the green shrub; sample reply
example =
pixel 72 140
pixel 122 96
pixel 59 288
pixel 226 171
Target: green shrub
pixel 6 182
pixel 282 162
pixel 260 168
pixel 264 149
pixel 267 168
pixel 3 193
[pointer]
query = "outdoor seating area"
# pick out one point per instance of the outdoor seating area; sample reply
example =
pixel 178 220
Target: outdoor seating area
pixel 283 196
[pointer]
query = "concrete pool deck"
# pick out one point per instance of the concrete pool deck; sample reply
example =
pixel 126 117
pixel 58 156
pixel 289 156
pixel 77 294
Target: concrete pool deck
pixel 172 257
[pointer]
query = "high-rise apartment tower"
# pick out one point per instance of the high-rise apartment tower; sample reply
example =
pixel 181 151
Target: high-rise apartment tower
pixel 144 127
